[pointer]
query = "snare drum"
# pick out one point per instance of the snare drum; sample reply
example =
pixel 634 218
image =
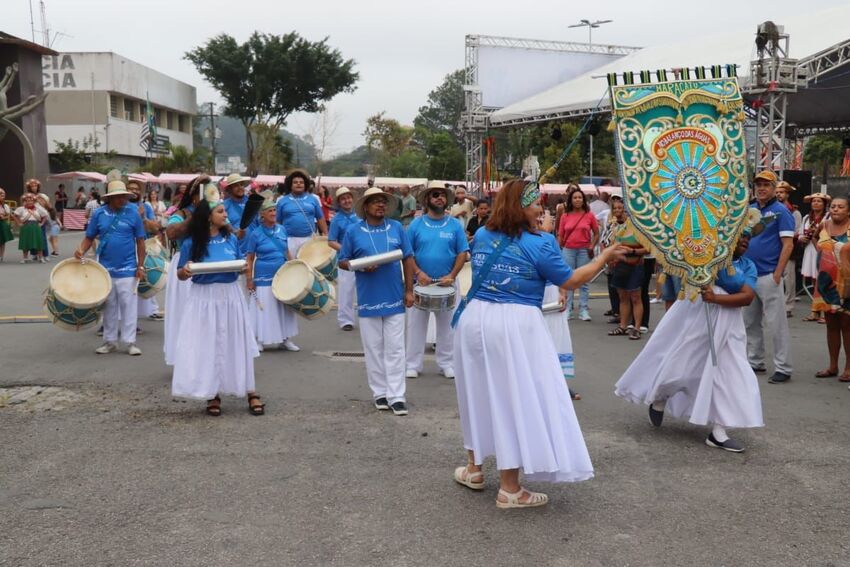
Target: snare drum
pixel 77 294
pixel 434 298
pixel 300 286
pixel 320 257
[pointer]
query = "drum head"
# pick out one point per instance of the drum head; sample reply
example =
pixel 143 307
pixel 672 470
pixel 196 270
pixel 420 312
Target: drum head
pixel 434 290
pixel 80 284
pixel 292 281
pixel 464 279
pixel 316 252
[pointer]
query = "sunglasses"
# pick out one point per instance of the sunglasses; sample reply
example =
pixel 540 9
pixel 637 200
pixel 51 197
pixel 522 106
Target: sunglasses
pixel 436 194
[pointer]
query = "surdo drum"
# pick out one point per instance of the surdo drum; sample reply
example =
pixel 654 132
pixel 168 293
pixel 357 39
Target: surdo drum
pixel 301 287
pixel 434 298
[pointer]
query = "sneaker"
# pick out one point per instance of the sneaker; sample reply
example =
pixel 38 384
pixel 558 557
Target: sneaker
pixel 644 330
pixel 655 416
pixel 106 348
pixel 156 317
pixel 54 253
pixel 382 404
pixel 779 378
pixel 348 327
pixel 24 261
pixel 411 374
pixel 133 350
pixel 448 373
pixel 656 300
pixel 729 445
pixel 139 331
pixel 290 346
pixel 570 315
pixel 584 315
pixel 41 261
pixel 399 408
pixel 759 369
pixel 100 331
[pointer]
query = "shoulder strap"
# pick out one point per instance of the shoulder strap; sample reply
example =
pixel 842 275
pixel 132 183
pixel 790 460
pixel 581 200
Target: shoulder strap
pixel 104 240
pixel 479 279
pixel 278 244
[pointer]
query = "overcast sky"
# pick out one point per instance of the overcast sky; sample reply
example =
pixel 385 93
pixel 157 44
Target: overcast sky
pixel 403 49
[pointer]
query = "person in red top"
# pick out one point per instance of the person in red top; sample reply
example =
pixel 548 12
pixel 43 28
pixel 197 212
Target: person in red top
pixel 326 201
pixel 578 232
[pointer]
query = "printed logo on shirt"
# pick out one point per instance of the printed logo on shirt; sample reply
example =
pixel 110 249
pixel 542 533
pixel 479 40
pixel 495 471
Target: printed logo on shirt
pixel 379 306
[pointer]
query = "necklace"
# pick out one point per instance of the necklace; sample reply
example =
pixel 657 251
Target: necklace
pixel 425 219
pixel 385 229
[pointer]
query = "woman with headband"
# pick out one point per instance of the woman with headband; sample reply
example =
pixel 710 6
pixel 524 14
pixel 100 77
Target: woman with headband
pixel 512 397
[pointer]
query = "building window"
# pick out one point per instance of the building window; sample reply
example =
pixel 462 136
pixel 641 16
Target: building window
pixel 114 105
pixel 169 120
pixel 129 110
pixel 143 111
pixel 158 116
pixel 183 122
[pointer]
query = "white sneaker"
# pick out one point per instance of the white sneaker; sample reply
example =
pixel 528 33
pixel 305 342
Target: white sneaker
pixel 448 373
pixel 584 315
pixel 656 300
pixel 106 348
pixel 411 374
pixel 133 350
pixel 289 345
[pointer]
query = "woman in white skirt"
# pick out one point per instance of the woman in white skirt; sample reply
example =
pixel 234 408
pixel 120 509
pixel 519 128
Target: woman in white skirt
pixel 215 348
pixel 512 398
pixel 807 237
pixel 266 251
pixel 177 291
pixel 674 374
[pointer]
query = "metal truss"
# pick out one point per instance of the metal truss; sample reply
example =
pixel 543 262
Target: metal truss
pixel 804 132
pixel 821 63
pixel 547 45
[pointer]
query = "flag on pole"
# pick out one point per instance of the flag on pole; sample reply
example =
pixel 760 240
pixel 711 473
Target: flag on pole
pixel 148 132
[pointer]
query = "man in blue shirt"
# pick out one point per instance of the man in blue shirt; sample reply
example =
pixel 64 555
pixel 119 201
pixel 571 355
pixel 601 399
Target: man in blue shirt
pixel 382 295
pixel 770 251
pixel 147 307
pixel 299 211
pixel 234 204
pixel 344 218
pixel 439 249
pixel 122 252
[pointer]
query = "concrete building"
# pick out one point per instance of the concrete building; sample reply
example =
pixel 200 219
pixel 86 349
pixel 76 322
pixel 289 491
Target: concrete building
pixel 102 96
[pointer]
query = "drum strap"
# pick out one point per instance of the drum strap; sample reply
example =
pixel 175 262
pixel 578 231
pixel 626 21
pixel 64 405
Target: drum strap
pixel 104 240
pixel 479 279
pixel 276 241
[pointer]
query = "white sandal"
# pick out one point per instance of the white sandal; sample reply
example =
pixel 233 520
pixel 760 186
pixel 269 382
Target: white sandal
pixel 512 500
pixel 464 476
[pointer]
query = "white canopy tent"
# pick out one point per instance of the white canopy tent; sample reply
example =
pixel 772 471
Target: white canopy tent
pixel 810 34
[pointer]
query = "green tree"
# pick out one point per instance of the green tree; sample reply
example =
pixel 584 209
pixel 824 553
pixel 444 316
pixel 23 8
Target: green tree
pixel 411 162
pixel 445 159
pixel 386 140
pixel 824 153
pixel 178 160
pixel 442 111
pixel 274 154
pixel 269 77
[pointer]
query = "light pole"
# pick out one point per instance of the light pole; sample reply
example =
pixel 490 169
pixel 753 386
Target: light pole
pixel 590 25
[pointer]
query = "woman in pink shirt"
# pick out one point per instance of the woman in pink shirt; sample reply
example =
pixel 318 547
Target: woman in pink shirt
pixel 578 232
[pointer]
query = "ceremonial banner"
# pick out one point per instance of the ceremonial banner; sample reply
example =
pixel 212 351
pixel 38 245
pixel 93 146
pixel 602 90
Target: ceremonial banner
pixel 681 154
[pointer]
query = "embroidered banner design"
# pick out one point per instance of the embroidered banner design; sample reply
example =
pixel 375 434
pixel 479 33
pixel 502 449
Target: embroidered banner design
pixel 682 160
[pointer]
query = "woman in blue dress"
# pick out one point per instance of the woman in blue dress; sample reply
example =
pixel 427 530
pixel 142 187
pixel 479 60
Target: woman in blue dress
pixel 215 347
pixel 512 397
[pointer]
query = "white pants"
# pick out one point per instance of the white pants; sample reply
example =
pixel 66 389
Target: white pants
pixel 346 291
pixel 417 327
pixel 790 278
pixel 768 309
pixel 383 345
pixel 120 311
pixel 294 244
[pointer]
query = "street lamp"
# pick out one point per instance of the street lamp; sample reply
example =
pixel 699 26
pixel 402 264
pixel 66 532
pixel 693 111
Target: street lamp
pixel 590 25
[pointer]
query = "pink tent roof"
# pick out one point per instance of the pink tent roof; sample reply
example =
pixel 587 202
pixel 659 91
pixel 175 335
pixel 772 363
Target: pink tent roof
pixel 350 182
pixel 181 177
pixel 81 175
pixel 269 179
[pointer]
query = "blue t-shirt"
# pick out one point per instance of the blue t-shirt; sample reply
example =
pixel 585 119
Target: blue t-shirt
pixel 436 244
pixel 379 293
pixel 234 209
pixel 765 248
pixel 269 244
pixel 220 249
pixel 118 232
pixel 745 274
pixel 299 214
pixel 340 224
pixel 521 272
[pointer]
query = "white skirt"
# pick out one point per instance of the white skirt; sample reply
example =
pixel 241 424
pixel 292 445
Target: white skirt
pixel 273 322
pixel 675 365
pixel 176 296
pixel 216 348
pixel 559 327
pixel 512 397
pixel 809 265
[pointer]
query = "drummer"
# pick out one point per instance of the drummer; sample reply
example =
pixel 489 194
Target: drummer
pixel 299 211
pixel 147 307
pixel 344 218
pixel 439 250
pixel 122 252
pixel 234 204
pixel 382 295
pixel 266 252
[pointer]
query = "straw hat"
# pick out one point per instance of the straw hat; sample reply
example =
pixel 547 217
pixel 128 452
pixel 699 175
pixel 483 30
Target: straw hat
pixel 786 185
pixel 235 178
pixel 423 195
pixel 392 201
pixel 342 191
pixel 267 204
pixel 821 196
pixel 767 175
pixel 115 188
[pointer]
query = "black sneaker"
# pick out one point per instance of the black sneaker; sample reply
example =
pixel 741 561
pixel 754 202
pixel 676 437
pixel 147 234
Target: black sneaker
pixel 399 408
pixel 382 404
pixel 348 327
pixel 729 445
pixel 759 369
pixel 655 416
pixel 779 378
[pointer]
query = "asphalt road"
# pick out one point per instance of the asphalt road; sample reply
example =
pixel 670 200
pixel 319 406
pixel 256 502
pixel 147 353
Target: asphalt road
pixel 109 470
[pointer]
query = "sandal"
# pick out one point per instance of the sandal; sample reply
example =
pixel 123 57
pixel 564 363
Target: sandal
pixel 512 500
pixel 828 373
pixel 822 320
pixel 574 396
pixel 258 408
pixel 634 334
pixel 464 476
pixel 811 317
pixel 844 377
pixel 617 332
pixel 214 407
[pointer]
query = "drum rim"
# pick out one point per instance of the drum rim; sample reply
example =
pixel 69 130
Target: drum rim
pixel 279 274
pixel 97 266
